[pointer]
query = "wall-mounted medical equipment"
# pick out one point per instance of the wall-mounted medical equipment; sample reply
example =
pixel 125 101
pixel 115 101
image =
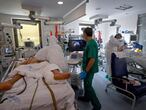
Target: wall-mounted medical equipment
pixel 6 45
pixel 99 21
pixel 7 51
pixel 133 38
pixel 29 44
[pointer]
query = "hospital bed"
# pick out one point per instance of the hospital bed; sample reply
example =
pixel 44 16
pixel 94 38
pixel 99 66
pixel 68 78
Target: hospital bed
pixel 136 63
pixel 35 94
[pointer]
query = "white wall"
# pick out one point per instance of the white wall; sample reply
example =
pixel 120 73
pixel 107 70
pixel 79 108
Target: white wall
pixel 72 26
pixel 128 22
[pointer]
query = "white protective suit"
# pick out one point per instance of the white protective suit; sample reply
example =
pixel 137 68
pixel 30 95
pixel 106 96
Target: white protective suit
pixel 53 53
pixel 111 47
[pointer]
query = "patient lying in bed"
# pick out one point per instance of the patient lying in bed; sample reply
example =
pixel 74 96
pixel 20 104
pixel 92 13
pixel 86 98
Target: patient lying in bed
pixel 34 74
pixel 35 69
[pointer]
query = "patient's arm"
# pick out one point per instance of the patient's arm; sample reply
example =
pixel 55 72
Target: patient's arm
pixel 9 83
pixel 30 61
pixel 60 76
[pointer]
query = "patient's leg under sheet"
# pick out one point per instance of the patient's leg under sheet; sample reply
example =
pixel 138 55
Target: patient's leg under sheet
pixel 63 93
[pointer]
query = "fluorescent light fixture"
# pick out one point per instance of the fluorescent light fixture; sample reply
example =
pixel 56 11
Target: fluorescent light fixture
pixel 53 22
pixel 124 7
pixel 98 16
pixel 60 2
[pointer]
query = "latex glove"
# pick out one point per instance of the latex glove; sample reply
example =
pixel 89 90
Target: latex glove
pixel 83 75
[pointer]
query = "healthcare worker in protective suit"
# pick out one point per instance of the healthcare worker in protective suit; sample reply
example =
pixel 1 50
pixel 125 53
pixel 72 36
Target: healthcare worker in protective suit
pixel 115 44
pixel 53 54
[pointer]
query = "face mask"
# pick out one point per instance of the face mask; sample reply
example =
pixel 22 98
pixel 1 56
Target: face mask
pixel 120 40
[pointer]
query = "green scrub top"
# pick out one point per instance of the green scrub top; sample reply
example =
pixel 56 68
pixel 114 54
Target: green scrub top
pixel 91 51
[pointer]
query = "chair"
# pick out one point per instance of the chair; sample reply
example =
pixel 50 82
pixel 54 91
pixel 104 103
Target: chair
pixel 122 83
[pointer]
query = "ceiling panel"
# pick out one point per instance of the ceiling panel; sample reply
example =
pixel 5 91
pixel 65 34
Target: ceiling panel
pixel 12 7
pixel 51 8
pixel 107 7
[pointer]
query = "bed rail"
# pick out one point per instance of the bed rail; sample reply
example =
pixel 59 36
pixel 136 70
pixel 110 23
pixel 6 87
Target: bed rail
pixel 10 68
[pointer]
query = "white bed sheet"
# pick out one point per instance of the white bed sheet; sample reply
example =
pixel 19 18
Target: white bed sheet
pixel 63 93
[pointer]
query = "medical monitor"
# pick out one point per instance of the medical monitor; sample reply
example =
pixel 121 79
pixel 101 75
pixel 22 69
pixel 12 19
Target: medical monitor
pixel 76 45
pixel 29 44
pixel 133 37
pixel 8 50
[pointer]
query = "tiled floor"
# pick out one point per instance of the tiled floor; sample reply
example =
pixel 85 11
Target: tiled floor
pixel 112 100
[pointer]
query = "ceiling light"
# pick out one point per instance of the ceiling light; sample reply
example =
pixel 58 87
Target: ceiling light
pixel 60 2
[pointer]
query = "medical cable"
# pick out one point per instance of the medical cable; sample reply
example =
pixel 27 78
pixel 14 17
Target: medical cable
pixel 17 93
pixel 24 87
pixel 52 94
pixel 34 95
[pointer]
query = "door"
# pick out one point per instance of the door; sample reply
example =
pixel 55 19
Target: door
pixel 30 32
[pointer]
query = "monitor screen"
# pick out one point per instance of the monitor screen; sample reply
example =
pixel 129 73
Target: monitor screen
pixel 76 45
pixel 8 50
pixel 133 37
pixel 29 44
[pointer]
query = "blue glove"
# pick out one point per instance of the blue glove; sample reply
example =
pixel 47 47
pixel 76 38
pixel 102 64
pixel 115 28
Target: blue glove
pixel 83 75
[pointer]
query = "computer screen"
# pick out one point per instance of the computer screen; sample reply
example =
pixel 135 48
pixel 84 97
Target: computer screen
pixel 133 37
pixel 29 44
pixel 76 45
pixel 8 50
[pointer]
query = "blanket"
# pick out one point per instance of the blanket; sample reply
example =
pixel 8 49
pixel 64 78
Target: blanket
pixel 38 71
